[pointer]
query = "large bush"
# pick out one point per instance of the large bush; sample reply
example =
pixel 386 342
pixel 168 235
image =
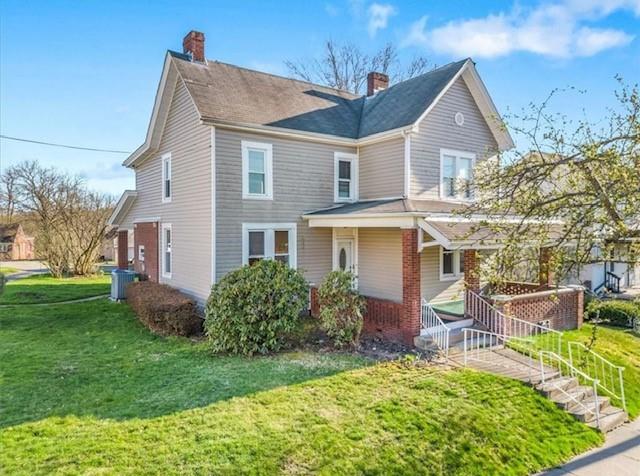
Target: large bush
pixel 252 310
pixel 615 312
pixel 341 308
pixel 164 310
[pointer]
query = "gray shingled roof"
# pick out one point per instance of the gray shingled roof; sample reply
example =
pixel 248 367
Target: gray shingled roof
pixel 398 205
pixel 230 93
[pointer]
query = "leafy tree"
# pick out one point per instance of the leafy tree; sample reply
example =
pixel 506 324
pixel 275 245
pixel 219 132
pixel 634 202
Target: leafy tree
pixel 576 191
pixel 345 66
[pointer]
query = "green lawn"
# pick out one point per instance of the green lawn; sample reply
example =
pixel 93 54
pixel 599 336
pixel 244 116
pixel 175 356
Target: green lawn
pixel 8 270
pixel 86 389
pixel 44 289
pixel 621 347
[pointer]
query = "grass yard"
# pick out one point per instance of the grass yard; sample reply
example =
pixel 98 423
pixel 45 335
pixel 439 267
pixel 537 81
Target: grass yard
pixel 621 347
pixel 86 389
pixel 45 289
pixel 8 270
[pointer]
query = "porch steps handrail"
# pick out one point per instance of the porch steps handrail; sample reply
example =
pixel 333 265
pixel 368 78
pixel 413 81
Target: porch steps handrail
pixel 435 327
pixel 566 369
pixel 608 374
pixel 496 321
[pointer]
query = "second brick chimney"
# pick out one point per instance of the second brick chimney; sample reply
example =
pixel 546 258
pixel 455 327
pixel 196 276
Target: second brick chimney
pixel 193 44
pixel 376 82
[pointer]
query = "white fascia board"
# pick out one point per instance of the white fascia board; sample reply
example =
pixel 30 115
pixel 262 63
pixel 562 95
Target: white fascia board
pixel 362 222
pixel 124 204
pixel 140 151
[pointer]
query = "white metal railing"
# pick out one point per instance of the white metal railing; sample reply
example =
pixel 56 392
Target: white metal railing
pixel 562 368
pixel 435 327
pixel 480 345
pixel 494 320
pixel 607 374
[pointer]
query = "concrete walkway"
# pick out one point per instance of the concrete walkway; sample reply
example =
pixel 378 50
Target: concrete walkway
pixel 25 269
pixel 619 456
pixel 55 303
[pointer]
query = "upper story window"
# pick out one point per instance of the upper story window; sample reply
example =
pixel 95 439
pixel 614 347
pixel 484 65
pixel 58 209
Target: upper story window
pixel 257 170
pixel 456 174
pixel 346 177
pixel 166 178
pixel 269 241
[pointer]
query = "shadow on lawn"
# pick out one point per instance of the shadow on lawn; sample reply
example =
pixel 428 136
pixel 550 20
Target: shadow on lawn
pixel 96 359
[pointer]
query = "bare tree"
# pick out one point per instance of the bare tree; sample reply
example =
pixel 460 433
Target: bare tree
pixel 70 220
pixel 345 66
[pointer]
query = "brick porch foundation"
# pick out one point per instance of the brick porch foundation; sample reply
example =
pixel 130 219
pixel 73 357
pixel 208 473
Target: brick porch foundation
pixel 146 234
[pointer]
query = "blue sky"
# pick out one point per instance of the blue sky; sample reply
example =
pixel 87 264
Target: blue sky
pixel 85 73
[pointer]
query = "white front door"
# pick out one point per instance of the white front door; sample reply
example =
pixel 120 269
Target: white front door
pixel 344 255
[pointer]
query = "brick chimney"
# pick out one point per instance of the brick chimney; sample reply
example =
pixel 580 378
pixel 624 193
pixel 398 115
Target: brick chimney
pixel 193 44
pixel 376 82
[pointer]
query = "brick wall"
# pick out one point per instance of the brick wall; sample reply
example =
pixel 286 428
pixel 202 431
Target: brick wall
pixel 471 271
pixel 123 249
pixel 411 292
pixel 146 234
pixel 562 307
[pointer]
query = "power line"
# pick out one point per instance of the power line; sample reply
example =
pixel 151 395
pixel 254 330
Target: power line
pixel 18 139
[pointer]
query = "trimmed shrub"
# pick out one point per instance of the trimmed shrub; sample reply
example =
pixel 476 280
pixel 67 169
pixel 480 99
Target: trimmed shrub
pixel 253 309
pixel 164 310
pixel 615 312
pixel 341 308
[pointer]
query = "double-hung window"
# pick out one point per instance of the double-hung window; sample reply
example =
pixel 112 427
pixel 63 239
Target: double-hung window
pixel 167 254
pixel 269 241
pixel 257 171
pixel 166 178
pixel 451 264
pixel 346 177
pixel 456 174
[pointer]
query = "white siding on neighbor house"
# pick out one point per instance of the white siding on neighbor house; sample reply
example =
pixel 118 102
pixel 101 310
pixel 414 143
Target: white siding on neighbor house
pixel 439 131
pixel 189 211
pixel 382 169
pixel 380 263
pixel 434 290
pixel 303 180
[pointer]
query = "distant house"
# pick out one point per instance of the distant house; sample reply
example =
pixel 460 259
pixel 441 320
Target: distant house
pixel 14 243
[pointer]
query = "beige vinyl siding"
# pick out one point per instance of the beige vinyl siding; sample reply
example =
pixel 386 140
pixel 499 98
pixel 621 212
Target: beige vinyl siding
pixel 189 211
pixel 380 263
pixel 382 169
pixel 434 290
pixel 303 178
pixel 439 130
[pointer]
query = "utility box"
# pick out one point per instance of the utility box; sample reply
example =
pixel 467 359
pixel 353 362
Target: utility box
pixel 119 280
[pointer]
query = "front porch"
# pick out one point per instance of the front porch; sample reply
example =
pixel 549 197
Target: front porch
pixel 416 273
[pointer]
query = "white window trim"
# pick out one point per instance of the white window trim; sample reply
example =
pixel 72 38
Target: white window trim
pixel 458 154
pixel 268 170
pixel 269 240
pixel 167 158
pixel 353 190
pixel 457 256
pixel 166 226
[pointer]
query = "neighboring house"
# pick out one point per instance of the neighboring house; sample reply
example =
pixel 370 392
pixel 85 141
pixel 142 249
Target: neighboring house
pixel 614 273
pixel 240 165
pixel 15 244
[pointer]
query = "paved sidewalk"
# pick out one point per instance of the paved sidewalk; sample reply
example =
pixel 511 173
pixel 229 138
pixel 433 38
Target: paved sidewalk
pixel 619 456
pixel 25 268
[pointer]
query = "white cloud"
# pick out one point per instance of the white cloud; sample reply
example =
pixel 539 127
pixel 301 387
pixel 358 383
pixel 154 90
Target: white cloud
pixel 554 30
pixel 379 15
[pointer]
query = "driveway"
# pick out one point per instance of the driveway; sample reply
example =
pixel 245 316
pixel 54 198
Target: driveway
pixel 619 456
pixel 27 268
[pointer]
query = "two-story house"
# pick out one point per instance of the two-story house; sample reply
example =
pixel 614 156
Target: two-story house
pixel 240 165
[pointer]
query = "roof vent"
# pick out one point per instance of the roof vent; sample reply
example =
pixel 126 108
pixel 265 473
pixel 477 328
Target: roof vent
pixel 376 82
pixel 193 45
